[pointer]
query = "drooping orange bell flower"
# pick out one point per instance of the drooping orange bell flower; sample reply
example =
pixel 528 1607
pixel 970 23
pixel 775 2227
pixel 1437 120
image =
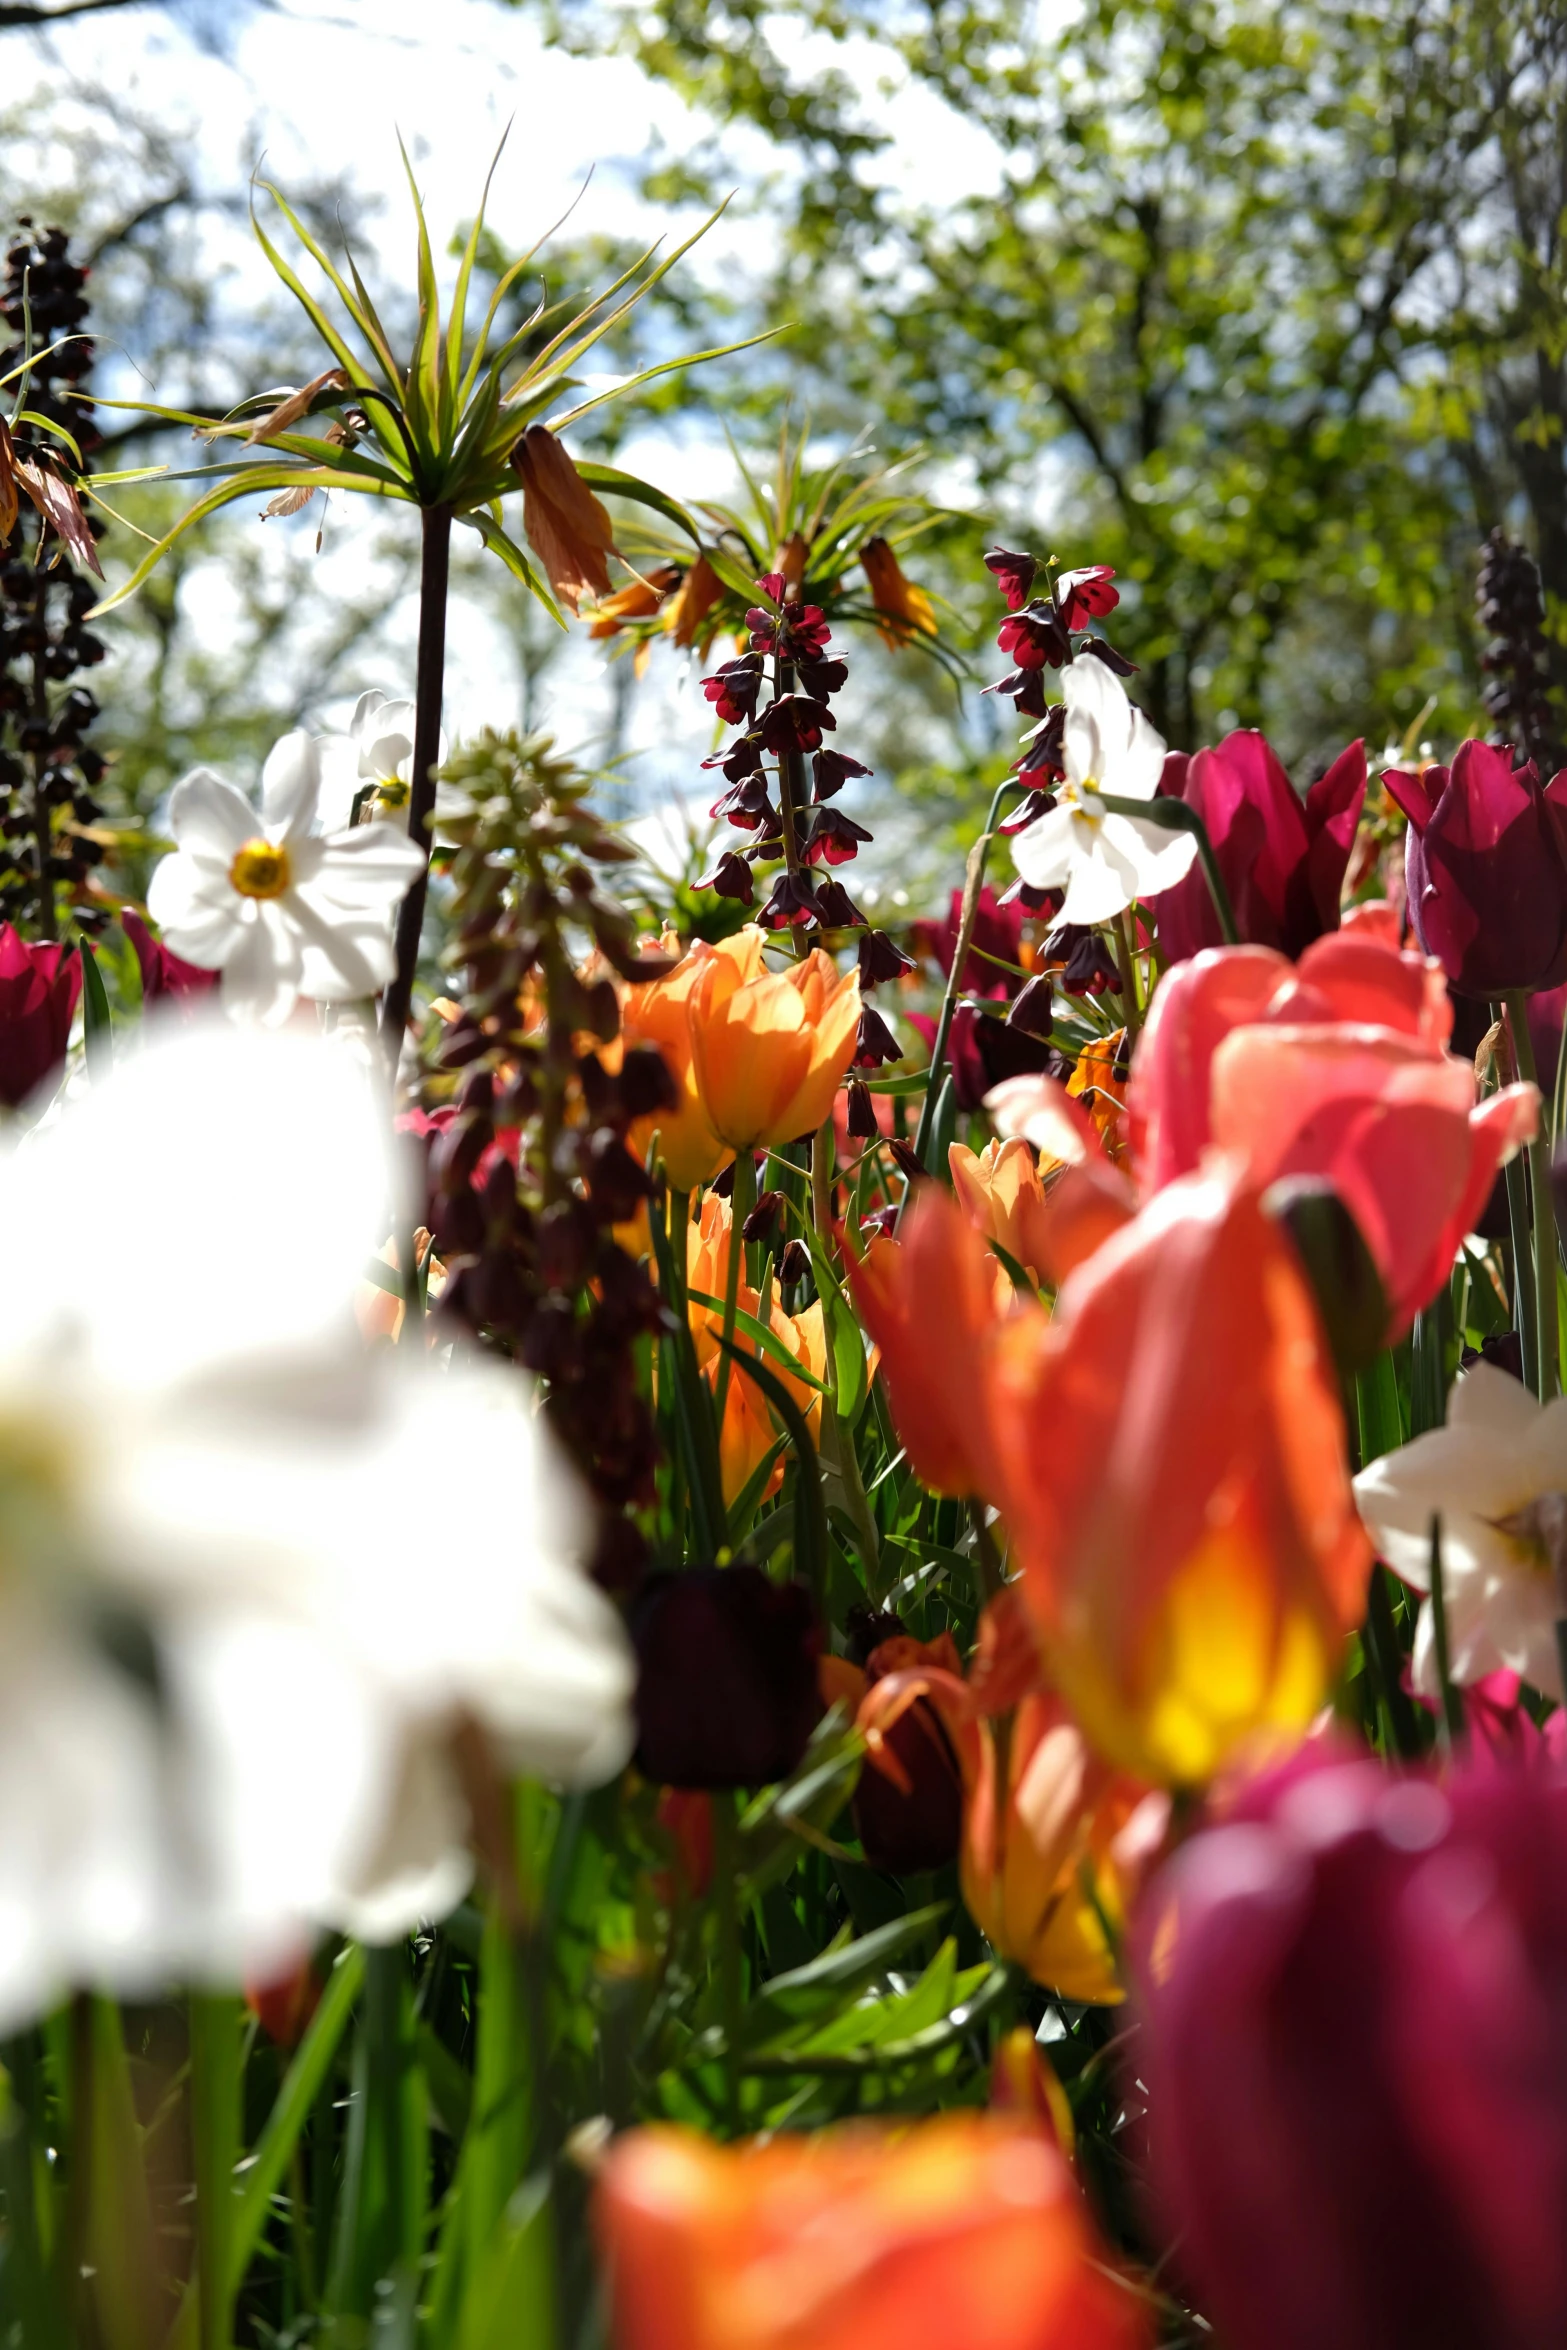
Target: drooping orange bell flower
pixel 656 1012
pixel 748 1433
pixel 928 1299
pixel 908 608
pixel 1053 1837
pixel 769 1048
pixel 639 599
pixel 569 530
pixel 691 603
pixel 966 2232
pixel 1171 1467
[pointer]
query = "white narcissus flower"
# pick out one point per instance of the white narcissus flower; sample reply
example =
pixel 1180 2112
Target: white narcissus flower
pixel 371 765
pixel 280 910
pixel 1496 1476
pixel 247 1602
pixel 1103 862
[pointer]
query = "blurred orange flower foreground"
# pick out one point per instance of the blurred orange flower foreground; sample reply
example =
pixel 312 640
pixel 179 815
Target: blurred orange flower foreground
pixel 963 2233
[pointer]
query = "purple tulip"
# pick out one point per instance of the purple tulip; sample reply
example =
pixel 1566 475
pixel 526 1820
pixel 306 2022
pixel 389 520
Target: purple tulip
pixel 39 986
pixel 1354 1995
pixel 1283 858
pixel 1485 863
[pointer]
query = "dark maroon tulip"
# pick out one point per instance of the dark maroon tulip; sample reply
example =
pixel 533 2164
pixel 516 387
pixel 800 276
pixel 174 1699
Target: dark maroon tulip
pixel 1354 1996
pixel 983 1050
pixel 917 1826
pixel 1283 858
pixel 39 986
pixel 727 1692
pixel 1485 867
pixel 164 974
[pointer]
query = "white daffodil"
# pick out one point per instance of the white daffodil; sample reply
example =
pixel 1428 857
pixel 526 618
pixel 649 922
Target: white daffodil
pixel 1496 1476
pixel 279 909
pixel 243 1623
pixel 1102 861
pixel 371 766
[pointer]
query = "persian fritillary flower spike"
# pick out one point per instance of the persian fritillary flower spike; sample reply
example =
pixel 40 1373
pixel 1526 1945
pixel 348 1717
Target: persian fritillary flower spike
pixel 787 662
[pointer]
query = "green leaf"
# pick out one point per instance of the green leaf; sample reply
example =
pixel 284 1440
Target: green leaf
pixel 97 1032
pixel 214 2129
pixel 768 1340
pixel 844 1966
pixel 302 2085
pixel 627 485
pixel 811 1539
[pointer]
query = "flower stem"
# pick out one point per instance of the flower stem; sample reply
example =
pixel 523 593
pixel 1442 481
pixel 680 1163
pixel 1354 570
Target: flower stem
pixel 429 677
pixel 1126 957
pixel 726 1871
pixel 1518 1221
pixel 741 1201
pixel 987 1559
pixel 1541 1208
pixel 1452 1715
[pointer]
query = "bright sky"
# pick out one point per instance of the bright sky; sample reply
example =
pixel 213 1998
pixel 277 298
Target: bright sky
pixel 450 77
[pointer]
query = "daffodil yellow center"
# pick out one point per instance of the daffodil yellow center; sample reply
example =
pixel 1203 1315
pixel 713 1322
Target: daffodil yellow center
pixel 392 792
pixel 37 1479
pixel 260 870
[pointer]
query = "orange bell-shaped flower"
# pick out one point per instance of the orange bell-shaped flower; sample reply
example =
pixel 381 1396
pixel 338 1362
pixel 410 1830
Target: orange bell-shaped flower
pixel 966 2232
pixel 1171 1467
pixel 571 533
pixel 907 608
pixel 769 1047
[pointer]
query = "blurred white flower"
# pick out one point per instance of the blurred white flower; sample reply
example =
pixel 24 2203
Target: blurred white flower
pixel 1496 1475
pixel 371 765
pixel 1102 861
pixel 280 910
pixel 246 1603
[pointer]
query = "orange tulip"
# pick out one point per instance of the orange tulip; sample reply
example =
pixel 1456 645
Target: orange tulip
pixel 569 529
pixel 928 1300
pixel 769 1048
pixel 1000 1192
pixel 686 610
pixel 748 1433
pixel 908 608
pixel 1053 1837
pixel 656 1012
pixel 965 2232
pixel 1170 1462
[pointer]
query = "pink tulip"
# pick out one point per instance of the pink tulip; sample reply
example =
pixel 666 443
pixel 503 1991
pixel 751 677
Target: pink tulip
pixel 1283 858
pixel 39 986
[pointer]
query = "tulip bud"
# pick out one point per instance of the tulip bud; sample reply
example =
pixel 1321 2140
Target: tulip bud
pixel 39 986
pixel 881 958
pixel 862 1111
pixel 726 1690
pixel 762 1223
pixel 794 1264
pixel 1485 861
pixel 1339 1266
pixel 1022 2082
pixel 1033 1007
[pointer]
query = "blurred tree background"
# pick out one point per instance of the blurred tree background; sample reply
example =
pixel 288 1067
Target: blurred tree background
pixel 1261 301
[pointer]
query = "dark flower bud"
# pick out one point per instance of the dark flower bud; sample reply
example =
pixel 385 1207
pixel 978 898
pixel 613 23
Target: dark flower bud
pixel 1087 965
pixel 566 1243
pixel 762 1223
pixel 791 902
pixel 1112 660
pixel 645 1084
pixel 745 804
pixel 916 1825
pixel 733 689
pixel 477 1091
pixel 1044 904
pixel 1014 575
pixel 862 1111
pixel 823 678
pixel 551 1342
pixel 833 769
pixel 1339 1266
pixel 881 958
pixel 617 1183
pixel 1025 688
pixel 619 1556
pixel 1033 1006
pixel 875 1042
pixel 1504 1352
pixel 457 1152
pixel 1035 639
pixel 1042 752
pixel 726 1684
pixel 794 1264
pixel 837 910
pixel 770 585
pixel 1085 595
pixel 795 723
pixel 730 877
pixel 458 1220
pixel 834 838
pixel 742 758
pixel 908 1159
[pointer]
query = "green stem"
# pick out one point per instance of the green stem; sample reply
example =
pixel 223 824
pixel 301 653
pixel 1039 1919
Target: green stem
pixel 1126 957
pixel 214 2130
pixel 988 1572
pixel 1383 1648
pixel 726 1868
pixel 1524 1291
pixel 824 1153
pixel 1543 1237
pixel 741 1201
pixel 973 883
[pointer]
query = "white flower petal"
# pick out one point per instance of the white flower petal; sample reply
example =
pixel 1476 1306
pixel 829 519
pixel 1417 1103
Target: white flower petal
pixel 341 782
pixel 206 812
pixel 199 912
pixel 290 783
pixel 263 968
pixel 1104 878
pixel 1493 1402
pixel 1158 858
pixel 1043 850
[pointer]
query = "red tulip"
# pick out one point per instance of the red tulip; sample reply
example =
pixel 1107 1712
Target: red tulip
pixel 928 1301
pixel 39 986
pixel 1333 1067
pixel 1354 1995
pixel 164 974
pixel 1283 858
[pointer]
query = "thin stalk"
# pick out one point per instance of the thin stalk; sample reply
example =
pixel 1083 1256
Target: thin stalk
pixel 741 1201
pixel 1542 1208
pixel 429 678
pixel 726 1866
pixel 987 1559
pixel 1452 1716
pixel 1126 957
pixel 1386 1655
pixel 43 827
pixel 1524 1291
pixel 973 883
pixel 823 1167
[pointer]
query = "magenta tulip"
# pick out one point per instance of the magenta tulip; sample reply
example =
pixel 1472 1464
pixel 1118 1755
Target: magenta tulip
pixel 163 974
pixel 1283 858
pixel 39 986
pixel 1485 865
pixel 1354 1994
